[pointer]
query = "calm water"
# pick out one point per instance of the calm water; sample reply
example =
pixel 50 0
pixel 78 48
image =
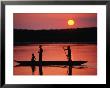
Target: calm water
pixel 55 52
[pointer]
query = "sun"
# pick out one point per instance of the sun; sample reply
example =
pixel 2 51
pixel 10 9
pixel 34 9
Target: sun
pixel 71 22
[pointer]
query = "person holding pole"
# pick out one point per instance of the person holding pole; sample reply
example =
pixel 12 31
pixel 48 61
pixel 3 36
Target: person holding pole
pixel 40 60
pixel 69 59
pixel 69 53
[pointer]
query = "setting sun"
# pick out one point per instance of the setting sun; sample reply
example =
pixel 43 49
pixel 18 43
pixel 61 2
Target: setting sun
pixel 71 22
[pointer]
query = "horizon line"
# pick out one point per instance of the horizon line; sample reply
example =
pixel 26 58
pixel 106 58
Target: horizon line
pixel 53 29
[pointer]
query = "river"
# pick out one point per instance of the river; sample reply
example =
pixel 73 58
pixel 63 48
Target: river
pixel 55 52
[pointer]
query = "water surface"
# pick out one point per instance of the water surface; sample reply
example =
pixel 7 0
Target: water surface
pixel 55 52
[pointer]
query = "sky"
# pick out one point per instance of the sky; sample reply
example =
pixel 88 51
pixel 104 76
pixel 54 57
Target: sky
pixel 46 21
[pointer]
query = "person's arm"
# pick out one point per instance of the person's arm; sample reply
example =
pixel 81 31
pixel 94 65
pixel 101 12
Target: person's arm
pixel 38 51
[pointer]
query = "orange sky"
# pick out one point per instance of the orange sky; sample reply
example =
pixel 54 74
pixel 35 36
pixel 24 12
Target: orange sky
pixel 36 21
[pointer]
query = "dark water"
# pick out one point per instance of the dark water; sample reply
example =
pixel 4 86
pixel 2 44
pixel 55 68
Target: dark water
pixel 55 52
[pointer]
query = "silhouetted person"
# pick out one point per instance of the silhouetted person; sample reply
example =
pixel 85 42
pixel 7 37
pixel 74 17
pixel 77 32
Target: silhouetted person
pixel 33 65
pixel 40 60
pixel 69 60
pixel 40 53
pixel 69 53
pixel 33 57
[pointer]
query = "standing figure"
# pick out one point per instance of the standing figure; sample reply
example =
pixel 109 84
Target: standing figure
pixel 40 60
pixel 33 57
pixel 69 53
pixel 40 53
pixel 33 65
pixel 69 60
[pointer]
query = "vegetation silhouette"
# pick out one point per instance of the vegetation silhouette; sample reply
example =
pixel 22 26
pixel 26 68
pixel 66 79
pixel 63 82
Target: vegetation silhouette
pixel 78 35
